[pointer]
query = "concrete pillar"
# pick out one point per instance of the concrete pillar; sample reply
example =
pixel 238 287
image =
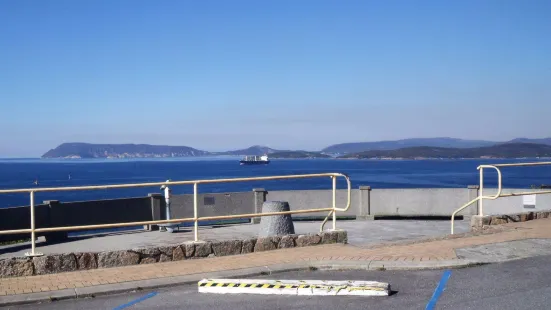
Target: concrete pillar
pixel 54 236
pixel 473 193
pixel 259 196
pixel 156 210
pixel 364 212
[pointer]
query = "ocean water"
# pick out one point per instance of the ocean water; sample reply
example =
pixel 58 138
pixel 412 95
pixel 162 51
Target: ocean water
pixel 21 173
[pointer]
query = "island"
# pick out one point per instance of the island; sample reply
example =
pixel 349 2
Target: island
pixel 88 150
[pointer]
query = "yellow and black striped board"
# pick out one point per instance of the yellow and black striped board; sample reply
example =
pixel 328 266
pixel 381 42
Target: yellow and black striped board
pixel 293 287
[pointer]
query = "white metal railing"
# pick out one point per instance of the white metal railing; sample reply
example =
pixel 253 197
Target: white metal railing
pixel 480 198
pixel 33 230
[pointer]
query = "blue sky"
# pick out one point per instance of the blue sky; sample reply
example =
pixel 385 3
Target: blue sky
pixel 287 74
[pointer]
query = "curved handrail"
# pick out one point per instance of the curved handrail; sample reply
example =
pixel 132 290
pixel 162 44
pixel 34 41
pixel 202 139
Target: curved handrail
pixel 332 212
pixel 460 209
pixel 499 193
pixel 496 196
pixel 525 193
pixel 325 220
pixel 349 185
pixel 539 163
pixel 480 198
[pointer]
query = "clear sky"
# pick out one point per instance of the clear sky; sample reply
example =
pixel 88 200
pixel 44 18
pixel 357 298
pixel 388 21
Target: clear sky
pixel 284 73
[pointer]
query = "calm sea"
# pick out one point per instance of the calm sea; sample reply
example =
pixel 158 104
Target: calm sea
pixel 21 173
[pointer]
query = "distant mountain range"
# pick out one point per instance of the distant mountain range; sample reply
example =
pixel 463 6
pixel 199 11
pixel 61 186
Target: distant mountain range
pixel 504 150
pixel 298 154
pixel 88 150
pixel 355 147
pixel 537 141
pixel 253 150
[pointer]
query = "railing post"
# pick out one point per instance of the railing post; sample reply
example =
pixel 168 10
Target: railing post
pixel 259 198
pixel 480 190
pixel 195 213
pixel 156 213
pixel 472 194
pixel 33 233
pixel 334 202
pixel 54 211
pixel 364 212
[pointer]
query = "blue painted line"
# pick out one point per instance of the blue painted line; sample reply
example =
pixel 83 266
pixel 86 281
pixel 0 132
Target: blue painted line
pixel 439 290
pixel 135 301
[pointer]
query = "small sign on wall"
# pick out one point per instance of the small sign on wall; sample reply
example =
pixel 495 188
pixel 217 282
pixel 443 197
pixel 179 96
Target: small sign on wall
pixel 209 201
pixel 529 201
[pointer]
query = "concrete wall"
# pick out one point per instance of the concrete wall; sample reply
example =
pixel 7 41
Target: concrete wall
pixel 419 202
pixel 56 214
pixel 20 218
pixel 315 199
pixel 181 206
pixel 511 205
pixel 100 212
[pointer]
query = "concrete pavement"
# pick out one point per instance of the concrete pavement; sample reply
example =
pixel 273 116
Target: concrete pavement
pixel 438 252
pixel 515 285
pixel 360 233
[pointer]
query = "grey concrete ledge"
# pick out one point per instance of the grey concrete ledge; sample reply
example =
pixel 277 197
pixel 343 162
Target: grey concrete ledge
pixel 58 263
pixel 484 222
pixel 132 286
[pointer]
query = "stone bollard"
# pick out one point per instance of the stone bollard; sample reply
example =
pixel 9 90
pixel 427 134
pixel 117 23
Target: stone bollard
pixel 276 225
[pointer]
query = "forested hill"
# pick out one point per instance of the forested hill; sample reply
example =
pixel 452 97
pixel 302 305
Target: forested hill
pixel 507 150
pixel 86 150
pixel 356 147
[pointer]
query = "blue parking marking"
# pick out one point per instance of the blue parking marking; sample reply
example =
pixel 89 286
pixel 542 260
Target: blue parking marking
pixel 439 290
pixel 135 301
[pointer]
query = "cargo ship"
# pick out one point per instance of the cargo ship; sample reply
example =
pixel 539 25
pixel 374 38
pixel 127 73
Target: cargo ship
pixel 255 160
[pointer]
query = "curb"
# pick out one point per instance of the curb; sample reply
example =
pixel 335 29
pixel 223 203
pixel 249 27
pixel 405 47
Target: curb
pixel 124 287
pixel 395 265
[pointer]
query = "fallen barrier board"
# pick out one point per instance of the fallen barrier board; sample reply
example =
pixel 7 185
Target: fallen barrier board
pixel 293 287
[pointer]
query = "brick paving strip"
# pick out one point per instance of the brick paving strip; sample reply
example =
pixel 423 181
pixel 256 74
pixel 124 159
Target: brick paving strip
pixel 413 253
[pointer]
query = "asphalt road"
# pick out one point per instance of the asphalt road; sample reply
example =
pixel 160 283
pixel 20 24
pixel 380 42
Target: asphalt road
pixel 521 284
